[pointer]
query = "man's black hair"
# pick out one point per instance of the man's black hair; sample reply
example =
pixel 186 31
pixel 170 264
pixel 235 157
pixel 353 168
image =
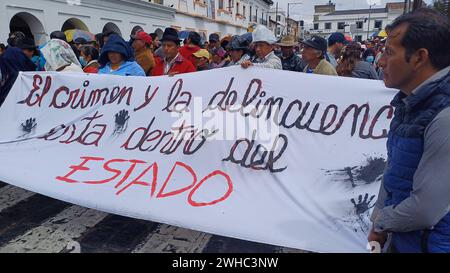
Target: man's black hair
pixel 14 37
pixel 153 35
pixel 195 38
pixel 224 44
pixel 58 35
pixel 427 29
pixel 90 51
pixel 99 38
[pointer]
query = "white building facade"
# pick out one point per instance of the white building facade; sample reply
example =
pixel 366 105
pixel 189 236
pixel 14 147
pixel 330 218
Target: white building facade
pixel 277 21
pixel 359 24
pixel 224 17
pixel 38 18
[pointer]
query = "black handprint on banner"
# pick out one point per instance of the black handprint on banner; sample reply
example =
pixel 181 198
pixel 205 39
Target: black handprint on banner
pixel 358 217
pixel 121 122
pixel 368 173
pixel 29 125
pixel 363 204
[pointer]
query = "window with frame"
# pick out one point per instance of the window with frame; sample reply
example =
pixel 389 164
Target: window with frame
pixel 327 25
pixel 341 25
pixel 316 26
pixel 359 24
pixel 378 24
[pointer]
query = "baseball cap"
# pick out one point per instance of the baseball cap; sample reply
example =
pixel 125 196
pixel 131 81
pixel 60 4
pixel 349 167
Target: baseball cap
pixel 316 42
pixel 337 37
pixel 214 37
pixel 202 53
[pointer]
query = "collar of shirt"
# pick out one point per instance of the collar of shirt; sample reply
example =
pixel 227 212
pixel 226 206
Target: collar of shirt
pixel 437 76
pixel 268 56
pixel 168 65
pixel 92 62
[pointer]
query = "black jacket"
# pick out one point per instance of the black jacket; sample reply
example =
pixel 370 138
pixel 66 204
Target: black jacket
pixel 293 63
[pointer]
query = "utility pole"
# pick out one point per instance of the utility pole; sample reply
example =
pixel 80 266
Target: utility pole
pixel 276 20
pixel 368 24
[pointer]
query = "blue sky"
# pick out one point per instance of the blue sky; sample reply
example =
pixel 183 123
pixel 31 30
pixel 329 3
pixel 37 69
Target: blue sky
pixel 305 11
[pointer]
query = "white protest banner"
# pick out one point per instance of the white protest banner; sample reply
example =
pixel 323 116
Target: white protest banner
pixel 277 157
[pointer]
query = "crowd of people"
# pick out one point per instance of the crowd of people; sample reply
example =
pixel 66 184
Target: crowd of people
pixel 413 206
pixel 146 54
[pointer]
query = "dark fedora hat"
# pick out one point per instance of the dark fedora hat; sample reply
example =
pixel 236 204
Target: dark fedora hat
pixel 170 34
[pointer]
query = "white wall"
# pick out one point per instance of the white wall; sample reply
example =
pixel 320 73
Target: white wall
pixel 49 15
pixel 195 16
pixel 186 22
pixel 352 19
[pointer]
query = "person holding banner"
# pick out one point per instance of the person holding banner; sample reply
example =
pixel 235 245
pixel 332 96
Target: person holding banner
pixel 13 61
pixel 238 48
pixel 173 62
pixel 414 200
pixel 202 59
pixel 60 57
pixel 142 43
pixel 263 41
pixel 117 58
pixel 89 59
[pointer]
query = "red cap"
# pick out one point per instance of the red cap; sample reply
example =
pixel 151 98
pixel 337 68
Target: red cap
pixel 143 36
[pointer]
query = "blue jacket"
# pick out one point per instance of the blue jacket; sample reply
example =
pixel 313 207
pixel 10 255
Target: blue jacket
pixel 405 148
pixel 126 69
pixel 11 63
pixel 129 67
pixel 116 44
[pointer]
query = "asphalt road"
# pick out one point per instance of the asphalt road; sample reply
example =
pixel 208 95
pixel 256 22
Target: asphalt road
pixel 33 223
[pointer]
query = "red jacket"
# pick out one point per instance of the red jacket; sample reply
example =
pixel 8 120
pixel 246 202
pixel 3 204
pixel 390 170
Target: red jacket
pixel 92 68
pixel 180 66
pixel 187 51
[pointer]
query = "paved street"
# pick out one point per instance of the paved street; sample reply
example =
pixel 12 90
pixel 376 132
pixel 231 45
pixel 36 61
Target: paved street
pixel 31 222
